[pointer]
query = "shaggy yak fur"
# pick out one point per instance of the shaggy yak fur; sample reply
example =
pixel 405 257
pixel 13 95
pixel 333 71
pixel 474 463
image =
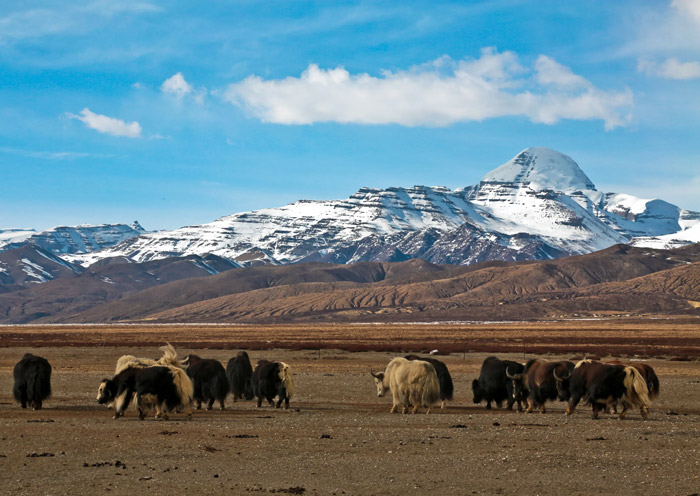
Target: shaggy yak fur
pixel 168 388
pixel 604 386
pixel 272 379
pixel 538 378
pixel 493 383
pixel 169 359
pixel 411 383
pixel 209 378
pixel 444 378
pixel 32 381
pixel 239 373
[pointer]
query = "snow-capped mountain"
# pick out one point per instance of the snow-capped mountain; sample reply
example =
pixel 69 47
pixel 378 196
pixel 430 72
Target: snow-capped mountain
pixel 538 205
pixel 71 239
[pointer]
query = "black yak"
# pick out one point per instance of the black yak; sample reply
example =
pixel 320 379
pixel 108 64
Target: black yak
pixel 209 378
pixel 272 379
pixel 32 381
pixel 239 373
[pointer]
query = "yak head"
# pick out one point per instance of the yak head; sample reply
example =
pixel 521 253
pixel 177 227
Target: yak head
pixel 476 389
pixel 562 378
pixel 379 381
pixel 106 392
pixel 516 385
pixel 248 390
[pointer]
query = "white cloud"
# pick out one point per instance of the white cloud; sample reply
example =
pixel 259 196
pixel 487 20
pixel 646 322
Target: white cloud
pixel 436 94
pixel 176 85
pixel 108 125
pixel 671 68
pixel 73 17
pixel 551 72
pixel 688 7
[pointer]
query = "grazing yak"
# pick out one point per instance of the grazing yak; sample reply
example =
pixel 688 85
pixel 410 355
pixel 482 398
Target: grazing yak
pixel 538 378
pixel 209 378
pixel 493 383
pixel 272 379
pixel 32 381
pixel 169 359
pixel 647 372
pixel 239 373
pixel 411 383
pixel 166 387
pixel 604 385
pixel 443 375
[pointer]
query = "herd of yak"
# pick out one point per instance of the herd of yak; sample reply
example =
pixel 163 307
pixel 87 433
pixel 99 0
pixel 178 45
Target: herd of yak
pixel 168 384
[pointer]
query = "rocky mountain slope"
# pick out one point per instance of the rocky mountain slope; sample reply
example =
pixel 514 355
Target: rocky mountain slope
pixel 610 280
pixel 539 205
pixel 65 240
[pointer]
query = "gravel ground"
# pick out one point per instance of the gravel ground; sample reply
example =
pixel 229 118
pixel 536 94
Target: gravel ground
pixel 339 438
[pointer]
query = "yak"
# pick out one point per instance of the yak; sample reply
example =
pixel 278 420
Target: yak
pixel 167 387
pixel 209 378
pixel 538 378
pixel 493 384
pixel 648 373
pixel 443 375
pixel 169 359
pixel 411 383
pixel 604 385
pixel 272 379
pixel 32 381
pixel 239 373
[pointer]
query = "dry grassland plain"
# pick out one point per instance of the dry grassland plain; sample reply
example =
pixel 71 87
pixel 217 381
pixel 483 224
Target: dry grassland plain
pixel 338 437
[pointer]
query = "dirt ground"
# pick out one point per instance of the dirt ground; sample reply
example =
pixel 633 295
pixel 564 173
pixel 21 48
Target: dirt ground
pixel 337 437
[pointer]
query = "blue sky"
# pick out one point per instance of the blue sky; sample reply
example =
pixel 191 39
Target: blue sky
pixel 177 113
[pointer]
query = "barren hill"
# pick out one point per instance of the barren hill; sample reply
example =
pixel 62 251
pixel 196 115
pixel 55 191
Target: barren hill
pixel 619 279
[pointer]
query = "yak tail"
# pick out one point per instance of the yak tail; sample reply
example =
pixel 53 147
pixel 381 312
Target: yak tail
pixel 447 387
pixel 39 384
pixel 652 383
pixel 636 390
pixel 169 358
pixel 431 388
pixel 286 378
pixel 183 384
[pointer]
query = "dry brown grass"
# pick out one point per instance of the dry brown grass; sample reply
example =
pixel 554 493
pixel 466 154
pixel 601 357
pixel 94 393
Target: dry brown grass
pixel 670 337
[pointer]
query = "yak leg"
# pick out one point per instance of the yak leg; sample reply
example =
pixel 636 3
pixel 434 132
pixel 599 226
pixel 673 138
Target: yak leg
pixel 188 410
pixel 442 405
pixel 520 407
pixel 530 405
pixel 210 404
pixel 23 396
pixel 139 407
pixel 221 404
pixel 488 404
pixel 623 411
pixel 36 405
pixel 596 409
pixel 499 404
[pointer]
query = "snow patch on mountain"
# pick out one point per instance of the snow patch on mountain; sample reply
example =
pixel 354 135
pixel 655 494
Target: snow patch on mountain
pixel 538 205
pixel 71 239
pixel 541 169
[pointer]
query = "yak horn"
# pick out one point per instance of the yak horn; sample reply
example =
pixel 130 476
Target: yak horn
pixel 513 376
pixel 376 376
pixel 560 379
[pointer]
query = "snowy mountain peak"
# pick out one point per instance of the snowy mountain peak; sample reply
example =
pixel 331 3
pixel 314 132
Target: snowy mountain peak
pixel 541 169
